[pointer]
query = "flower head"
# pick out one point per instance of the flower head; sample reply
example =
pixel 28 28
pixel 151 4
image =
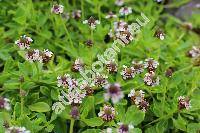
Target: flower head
pixel 89 43
pixel 91 22
pixel 119 2
pixel 127 72
pixel 66 81
pixel 46 56
pixel 111 15
pixel 5 103
pixel 111 67
pixel 169 72
pixel 143 105
pixel 16 129
pixel 159 34
pixel 138 66
pixel 124 11
pixel 194 52
pixel 107 113
pixel 120 26
pixel 151 79
pixel 57 9
pixel 184 102
pixel 114 92
pixel 136 96
pixel 78 65
pixel 75 96
pixel 75 112
pixel 76 14
pixel 151 64
pixel 88 88
pixel 24 42
pixel 32 55
pixel 124 128
pixel 100 80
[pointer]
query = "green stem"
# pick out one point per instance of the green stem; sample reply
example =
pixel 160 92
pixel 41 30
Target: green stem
pixel 22 100
pixel 92 34
pixel 67 32
pixel 71 126
pixel 99 11
pixel 82 9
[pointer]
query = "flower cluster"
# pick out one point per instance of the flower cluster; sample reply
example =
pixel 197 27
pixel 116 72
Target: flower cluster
pixel 76 14
pixel 183 102
pixel 138 67
pixel 37 55
pixel 151 79
pixel 75 96
pixel 78 65
pixel 75 112
pixel 66 81
pixel 100 80
pixel 122 31
pixel 92 22
pixel 194 52
pixel 16 129
pixel 159 34
pixel 151 64
pixel 124 11
pixel 57 9
pixel 111 67
pixel 107 113
pixel 111 15
pixel 114 92
pixel 137 98
pixel 24 42
pixel 127 72
pixel 119 2
pixel 124 128
pixel 5 103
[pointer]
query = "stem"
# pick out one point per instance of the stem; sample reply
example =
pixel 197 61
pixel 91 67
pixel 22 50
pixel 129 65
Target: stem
pixel 91 34
pixel 71 126
pixel 99 11
pixel 67 32
pixel 22 99
pixel 38 72
pixel 82 9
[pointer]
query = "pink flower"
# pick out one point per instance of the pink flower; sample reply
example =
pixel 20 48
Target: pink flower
pixel 127 72
pixel 24 42
pixel 183 103
pixel 57 9
pixel 91 22
pixel 114 92
pixel 124 11
pixel 107 113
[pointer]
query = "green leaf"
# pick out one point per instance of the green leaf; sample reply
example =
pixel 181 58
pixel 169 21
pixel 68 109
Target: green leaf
pixel 87 106
pixel 180 123
pixel 49 128
pixel 193 127
pixel 93 122
pixel 39 107
pixel 134 115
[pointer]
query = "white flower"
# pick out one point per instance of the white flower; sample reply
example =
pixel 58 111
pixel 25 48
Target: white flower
pixel 5 103
pixel 24 42
pixel 124 11
pixel 136 96
pixel 111 15
pixel 184 102
pixel 194 52
pixel 32 55
pixel 91 22
pixel 138 66
pixel 150 79
pixel 151 64
pixel 127 72
pixel 123 128
pixel 16 129
pixel 78 65
pixel 63 80
pixel 119 2
pixel 114 92
pixel 57 9
pixel 76 96
pixel 107 113
pixel 100 80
